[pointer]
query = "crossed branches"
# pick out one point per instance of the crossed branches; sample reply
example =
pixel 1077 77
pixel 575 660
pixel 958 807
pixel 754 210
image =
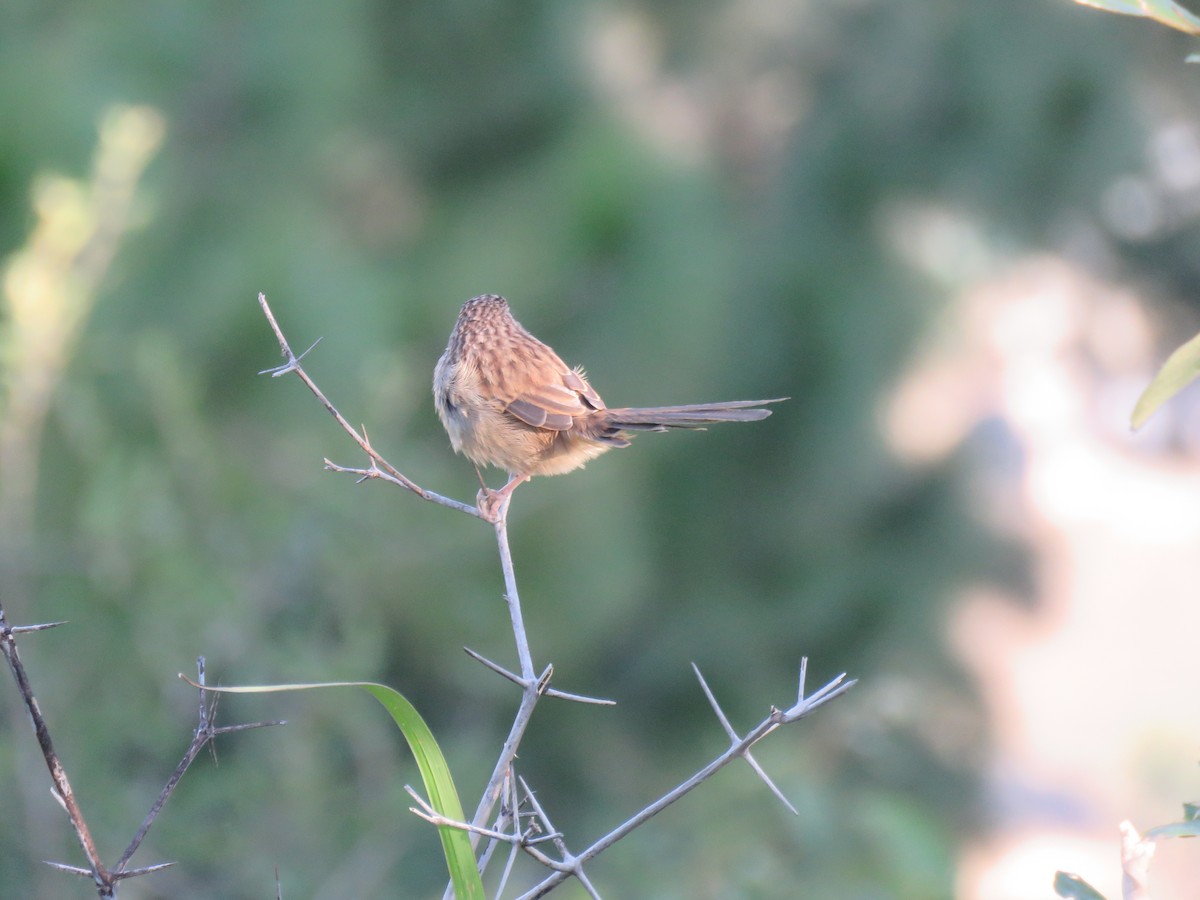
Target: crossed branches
pixel 540 829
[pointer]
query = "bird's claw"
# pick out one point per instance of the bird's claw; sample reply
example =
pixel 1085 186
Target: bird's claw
pixel 492 505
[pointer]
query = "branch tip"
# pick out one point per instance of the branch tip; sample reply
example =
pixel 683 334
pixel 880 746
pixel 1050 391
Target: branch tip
pixel 71 870
pixel 143 870
pixel 543 682
pixel 44 626
pixel 766 779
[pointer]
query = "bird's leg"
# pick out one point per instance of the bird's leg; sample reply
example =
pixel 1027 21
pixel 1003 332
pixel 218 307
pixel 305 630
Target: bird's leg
pixel 482 484
pixel 513 481
pixel 493 505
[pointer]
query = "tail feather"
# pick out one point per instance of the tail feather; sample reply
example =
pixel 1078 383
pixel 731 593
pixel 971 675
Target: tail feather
pixel 660 418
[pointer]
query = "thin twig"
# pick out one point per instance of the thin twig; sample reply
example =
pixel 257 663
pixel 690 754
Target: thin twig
pixel 117 876
pixel 292 364
pixel 508 753
pixel 204 733
pixel 519 840
pixel 513 598
pixel 503 821
pixel 425 811
pixel 27 629
pixel 511 812
pixel 530 693
pixel 571 865
pixel 105 879
pixel 568 862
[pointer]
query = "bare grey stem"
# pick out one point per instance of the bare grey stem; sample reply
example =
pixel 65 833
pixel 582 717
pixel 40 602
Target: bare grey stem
pixel 514 602
pixel 530 693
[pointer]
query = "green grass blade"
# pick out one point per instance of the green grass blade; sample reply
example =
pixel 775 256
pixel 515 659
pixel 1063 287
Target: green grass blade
pixel 439 786
pixel 1175 830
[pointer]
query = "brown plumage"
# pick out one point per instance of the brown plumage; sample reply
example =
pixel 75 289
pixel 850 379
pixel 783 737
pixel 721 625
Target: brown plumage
pixel 508 400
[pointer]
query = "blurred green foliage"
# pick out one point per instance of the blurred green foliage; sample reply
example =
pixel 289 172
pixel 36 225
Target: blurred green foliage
pixel 687 197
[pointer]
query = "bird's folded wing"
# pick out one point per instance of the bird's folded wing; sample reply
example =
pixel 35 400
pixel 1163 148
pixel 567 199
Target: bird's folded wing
pixel 557 401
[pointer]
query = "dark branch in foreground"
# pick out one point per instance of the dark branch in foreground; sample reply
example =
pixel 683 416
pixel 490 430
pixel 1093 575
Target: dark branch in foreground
pixel 205 732
pixel 62 786
pixel 105 879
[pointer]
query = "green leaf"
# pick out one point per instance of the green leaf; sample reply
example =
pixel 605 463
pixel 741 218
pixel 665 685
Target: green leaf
pixel 1074 887
pixel 1175 830
pixel 1191 812
pixel 439 786
pixel 1180 369
pixel 1164 11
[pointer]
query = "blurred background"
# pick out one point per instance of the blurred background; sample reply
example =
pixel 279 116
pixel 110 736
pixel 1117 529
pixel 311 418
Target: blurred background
pixel 959 235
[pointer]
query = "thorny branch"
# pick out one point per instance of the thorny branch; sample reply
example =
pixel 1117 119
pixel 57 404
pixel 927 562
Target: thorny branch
pixel 571 865
pixel 205 733
pixel 105 879
pixel 380 467
pixel 58 775
pixel 533 686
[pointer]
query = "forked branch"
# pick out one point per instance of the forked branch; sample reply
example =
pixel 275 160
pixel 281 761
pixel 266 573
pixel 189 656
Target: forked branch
pixel 568 865
pixel 104 878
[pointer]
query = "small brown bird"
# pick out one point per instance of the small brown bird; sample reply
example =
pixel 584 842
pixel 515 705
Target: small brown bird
pixel 508 400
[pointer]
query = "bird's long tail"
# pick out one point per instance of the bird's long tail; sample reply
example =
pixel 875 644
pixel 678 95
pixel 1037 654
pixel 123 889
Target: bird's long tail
pixel 660 418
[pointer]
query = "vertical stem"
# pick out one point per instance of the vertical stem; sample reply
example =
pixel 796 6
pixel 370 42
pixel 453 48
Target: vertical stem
pixel 513 599
pixel 529 695
pixel 507 753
